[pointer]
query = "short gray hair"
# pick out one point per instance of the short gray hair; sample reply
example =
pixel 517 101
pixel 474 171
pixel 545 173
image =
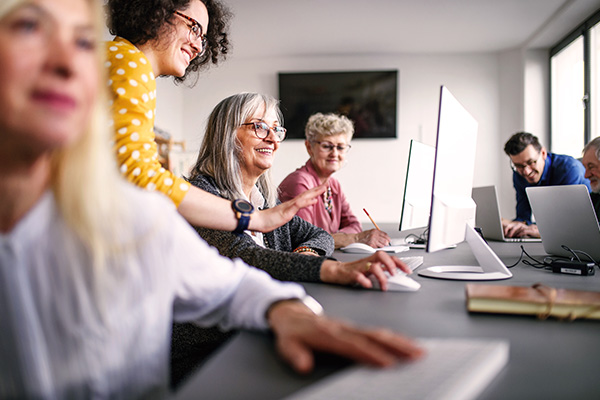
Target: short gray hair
pixel 593 144
pixel 328 125
pixel 220 151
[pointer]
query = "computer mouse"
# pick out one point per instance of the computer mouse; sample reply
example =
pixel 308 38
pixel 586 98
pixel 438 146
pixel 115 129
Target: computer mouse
pixel 397 283
pixel 358 248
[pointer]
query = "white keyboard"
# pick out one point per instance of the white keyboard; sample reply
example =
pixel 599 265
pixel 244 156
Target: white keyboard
pixel 412 262
pixel 452 369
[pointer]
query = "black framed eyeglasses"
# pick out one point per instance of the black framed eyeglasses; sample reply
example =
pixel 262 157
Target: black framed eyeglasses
pixel 531 164
pixel 195 33
pixel 328 147
pixel 261 130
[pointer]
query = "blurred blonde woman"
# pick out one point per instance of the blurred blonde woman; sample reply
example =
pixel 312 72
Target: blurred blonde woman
pixel 93 270
pixel 328 143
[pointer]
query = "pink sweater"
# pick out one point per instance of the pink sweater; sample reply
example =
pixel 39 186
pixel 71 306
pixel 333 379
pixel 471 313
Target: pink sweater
pixel 341 219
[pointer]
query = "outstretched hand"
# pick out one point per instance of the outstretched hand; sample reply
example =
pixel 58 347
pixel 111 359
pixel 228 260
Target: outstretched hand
pixel 272 218
pixel 299 333
pixel 357 272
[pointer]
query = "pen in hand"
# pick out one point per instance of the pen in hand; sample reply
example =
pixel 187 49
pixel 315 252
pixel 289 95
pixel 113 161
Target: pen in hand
pixel 374 223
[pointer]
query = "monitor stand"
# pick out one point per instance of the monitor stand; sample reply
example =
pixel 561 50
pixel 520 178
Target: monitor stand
pixel 490 269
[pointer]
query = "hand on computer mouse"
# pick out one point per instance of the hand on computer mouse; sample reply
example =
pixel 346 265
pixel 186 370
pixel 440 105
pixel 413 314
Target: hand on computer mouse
pixel 357 272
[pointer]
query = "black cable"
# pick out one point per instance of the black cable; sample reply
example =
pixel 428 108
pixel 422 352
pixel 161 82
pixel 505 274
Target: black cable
pixel 546 263
pixel 535 264
pixel 574 252
pixel 418 239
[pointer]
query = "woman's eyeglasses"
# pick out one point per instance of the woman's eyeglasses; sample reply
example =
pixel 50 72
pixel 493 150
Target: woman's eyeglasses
pixel 327 147
pixel 195 33
pixel 261 130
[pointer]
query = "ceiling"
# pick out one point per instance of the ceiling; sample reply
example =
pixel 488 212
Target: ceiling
pixel 313 27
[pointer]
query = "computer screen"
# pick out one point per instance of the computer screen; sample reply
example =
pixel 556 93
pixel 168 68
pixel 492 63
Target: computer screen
pixel 451 204
pixel 416 201
pixel 368 98
pixel 452 213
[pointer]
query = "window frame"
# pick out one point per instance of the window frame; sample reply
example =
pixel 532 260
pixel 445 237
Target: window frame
pixel 582 30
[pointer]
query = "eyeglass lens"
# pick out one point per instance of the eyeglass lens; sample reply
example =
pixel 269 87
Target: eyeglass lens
pixel 195 32
pixel 521 167
pixel 261 130
pixel 341 148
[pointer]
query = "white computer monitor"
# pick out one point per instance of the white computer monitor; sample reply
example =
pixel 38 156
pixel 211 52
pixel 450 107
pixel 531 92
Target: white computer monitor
pixel 416 201
pixel 452 213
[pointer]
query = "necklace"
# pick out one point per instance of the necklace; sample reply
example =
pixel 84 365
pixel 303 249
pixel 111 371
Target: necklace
pixel 328 200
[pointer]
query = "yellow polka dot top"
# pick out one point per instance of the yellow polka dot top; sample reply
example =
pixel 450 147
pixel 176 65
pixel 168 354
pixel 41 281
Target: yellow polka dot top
pixel 133 87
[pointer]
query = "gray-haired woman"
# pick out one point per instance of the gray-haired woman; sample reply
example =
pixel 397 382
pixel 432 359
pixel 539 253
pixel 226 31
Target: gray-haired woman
pixel 327 143
pixel 242 136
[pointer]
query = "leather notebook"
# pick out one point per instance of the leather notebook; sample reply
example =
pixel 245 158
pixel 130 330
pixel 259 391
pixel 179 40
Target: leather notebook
pixel 542 301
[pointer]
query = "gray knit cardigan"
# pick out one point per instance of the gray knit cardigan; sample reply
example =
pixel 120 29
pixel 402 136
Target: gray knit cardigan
pixel 277 258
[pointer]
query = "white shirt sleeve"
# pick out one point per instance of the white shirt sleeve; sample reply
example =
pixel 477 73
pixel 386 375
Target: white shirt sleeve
pixel 211 289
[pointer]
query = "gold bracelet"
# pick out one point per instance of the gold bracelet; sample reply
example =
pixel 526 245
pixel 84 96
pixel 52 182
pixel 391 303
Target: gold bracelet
pixel 305 249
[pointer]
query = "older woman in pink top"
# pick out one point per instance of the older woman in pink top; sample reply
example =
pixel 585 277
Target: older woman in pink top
pixel 327 143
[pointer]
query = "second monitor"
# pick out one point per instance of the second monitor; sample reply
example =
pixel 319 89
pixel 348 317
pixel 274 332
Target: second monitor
pixel 452 214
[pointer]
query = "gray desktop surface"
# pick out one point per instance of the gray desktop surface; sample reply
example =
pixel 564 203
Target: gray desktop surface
pixel 548 359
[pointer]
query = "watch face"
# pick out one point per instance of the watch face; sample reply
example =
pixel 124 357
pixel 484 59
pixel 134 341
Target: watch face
pixel 243 206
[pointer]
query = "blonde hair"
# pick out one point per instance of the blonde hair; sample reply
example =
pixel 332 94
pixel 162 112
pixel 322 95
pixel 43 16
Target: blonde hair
pixel 330 124
pixel 84 176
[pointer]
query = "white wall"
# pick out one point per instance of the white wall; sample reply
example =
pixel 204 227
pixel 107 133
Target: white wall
pixel 169 107
pixel 374 175
pixel 511 103
pixel 537 94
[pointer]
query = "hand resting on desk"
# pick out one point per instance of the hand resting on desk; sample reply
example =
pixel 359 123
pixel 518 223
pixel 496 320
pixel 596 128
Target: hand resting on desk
pixel 299 332
pixel 349 273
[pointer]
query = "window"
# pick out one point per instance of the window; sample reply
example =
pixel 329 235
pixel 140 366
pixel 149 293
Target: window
pixel 595 81
pixel 568 90
pixel 575 89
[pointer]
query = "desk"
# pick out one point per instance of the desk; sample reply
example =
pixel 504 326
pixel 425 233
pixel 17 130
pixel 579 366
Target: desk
pixel 548 359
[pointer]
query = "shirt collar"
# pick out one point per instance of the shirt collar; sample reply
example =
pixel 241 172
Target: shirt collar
pixel 256 198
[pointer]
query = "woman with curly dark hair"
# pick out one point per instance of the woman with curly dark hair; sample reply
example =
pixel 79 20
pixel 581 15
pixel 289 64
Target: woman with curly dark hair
pixel 171 38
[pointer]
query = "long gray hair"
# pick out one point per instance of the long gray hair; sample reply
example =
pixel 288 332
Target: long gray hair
pixel 220 151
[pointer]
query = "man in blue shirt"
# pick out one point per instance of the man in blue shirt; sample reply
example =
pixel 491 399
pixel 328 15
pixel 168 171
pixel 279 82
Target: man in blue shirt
pixel 533 166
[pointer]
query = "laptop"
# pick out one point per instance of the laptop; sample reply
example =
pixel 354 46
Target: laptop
pixel 487 215
pixel 565 216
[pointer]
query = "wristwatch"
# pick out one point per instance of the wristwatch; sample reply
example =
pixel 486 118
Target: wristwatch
pixel 243 209
pixel 312 304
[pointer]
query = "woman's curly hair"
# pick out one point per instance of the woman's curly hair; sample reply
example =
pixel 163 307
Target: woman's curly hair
pixel 140 21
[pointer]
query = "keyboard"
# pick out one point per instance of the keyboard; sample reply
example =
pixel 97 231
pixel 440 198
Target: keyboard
pixel 412 262
pixel 452 369
pixel 522 240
